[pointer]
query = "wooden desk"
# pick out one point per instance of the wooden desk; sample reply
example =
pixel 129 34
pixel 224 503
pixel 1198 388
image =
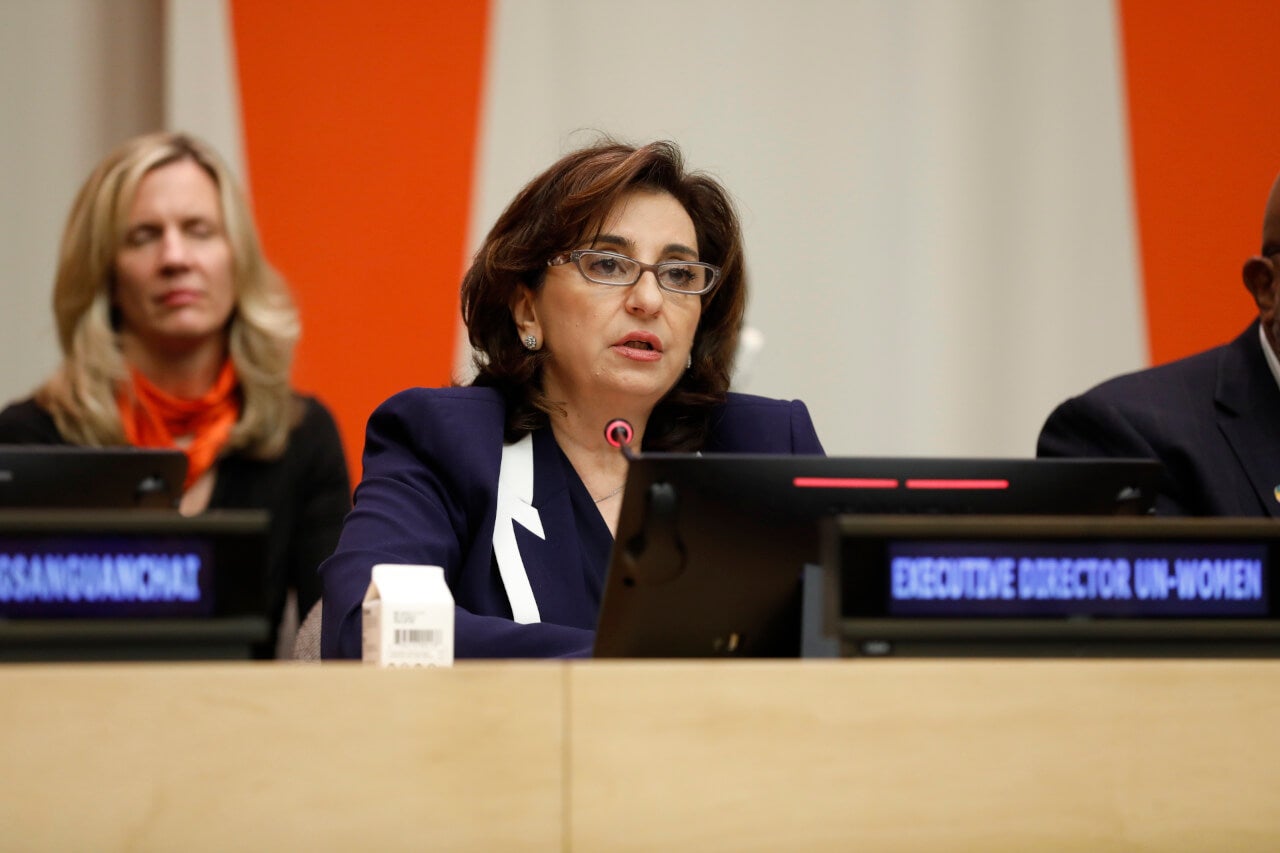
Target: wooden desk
pixel 880 755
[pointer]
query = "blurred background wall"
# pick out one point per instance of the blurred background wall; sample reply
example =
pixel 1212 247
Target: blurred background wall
pixel 957 213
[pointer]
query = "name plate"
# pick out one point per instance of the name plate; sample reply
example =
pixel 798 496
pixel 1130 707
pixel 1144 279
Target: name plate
pixel 1064 585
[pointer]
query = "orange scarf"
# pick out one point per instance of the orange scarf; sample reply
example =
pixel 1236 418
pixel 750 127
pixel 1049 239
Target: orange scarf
pixel 152 418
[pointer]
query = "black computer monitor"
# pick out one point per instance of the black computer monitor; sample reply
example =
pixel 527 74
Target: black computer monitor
pixel 55 475
pixel 710 550
pixel 1069 587
pixel 132 585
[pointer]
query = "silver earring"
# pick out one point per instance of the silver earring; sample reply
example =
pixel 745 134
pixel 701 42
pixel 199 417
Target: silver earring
pixel 689 363
pixel 531 343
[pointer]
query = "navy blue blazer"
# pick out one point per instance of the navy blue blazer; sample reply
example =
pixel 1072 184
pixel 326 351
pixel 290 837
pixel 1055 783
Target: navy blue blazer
pixel 1213 419
pixel 429 497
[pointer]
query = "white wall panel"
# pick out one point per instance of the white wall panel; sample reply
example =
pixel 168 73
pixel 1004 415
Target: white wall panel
pixel 202 94
pixel 935 194
pixel 76 78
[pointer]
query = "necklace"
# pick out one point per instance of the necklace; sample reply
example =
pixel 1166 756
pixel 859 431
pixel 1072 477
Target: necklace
pixel 604 498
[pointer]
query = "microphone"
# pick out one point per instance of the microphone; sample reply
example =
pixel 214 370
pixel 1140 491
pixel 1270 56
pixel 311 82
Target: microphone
pixel 654 552
pixel 619 433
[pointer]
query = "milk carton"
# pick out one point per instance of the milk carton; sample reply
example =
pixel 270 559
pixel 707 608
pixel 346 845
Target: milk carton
pixel 408 617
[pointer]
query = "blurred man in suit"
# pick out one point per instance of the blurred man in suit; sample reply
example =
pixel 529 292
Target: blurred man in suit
pixel 1213 419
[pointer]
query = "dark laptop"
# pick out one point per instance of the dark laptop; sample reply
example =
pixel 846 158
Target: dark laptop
pixel 51 475
pixel 710 550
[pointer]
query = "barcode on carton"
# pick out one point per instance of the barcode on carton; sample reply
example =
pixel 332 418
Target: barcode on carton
pixel 417 636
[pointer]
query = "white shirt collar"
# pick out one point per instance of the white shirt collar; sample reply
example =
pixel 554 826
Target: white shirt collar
pixel 1272 361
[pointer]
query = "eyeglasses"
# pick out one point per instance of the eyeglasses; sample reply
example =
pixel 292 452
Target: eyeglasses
pixel 688 277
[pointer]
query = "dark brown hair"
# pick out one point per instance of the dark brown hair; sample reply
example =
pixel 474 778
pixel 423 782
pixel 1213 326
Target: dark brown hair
pixel 559 210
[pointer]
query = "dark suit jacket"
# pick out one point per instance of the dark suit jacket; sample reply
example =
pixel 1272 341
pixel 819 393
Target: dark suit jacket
pixel 429 497
pixel 1213 419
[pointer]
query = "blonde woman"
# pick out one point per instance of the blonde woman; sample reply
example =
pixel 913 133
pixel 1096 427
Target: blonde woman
pixel 176 332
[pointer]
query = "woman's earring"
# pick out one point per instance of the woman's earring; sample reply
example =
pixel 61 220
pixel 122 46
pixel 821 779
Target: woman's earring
pixel 531 343
pixel 689 363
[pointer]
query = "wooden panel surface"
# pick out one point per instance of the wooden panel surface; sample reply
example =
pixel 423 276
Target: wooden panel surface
pixel 926 755
pixel 280 757
pixel 882 755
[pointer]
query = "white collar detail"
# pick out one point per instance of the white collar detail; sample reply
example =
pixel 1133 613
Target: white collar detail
pixel 515 506
pixel 1272 361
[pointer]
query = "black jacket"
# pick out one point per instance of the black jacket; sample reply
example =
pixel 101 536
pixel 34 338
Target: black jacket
pixel 1213 419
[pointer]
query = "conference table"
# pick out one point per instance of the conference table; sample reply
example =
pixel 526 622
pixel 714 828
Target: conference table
pixel 892 754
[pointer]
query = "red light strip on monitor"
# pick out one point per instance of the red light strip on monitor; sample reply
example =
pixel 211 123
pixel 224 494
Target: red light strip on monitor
pixel 844 483
pixel 958 484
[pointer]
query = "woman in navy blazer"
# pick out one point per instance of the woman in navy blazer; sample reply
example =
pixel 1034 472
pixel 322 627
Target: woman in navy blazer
pixel 612 287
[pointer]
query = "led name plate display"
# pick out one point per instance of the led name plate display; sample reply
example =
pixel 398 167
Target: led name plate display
pixel 132 584
pixel 105 576
pixel 1133 579
pixel 1052 586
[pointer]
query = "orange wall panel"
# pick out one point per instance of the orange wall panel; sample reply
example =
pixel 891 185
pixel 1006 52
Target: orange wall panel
pixel 360 123
pixel 1202 80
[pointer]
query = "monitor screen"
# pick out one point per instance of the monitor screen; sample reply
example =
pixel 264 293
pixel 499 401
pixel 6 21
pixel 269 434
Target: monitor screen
pixel 54 475
pixel 1066 586
pixel 710 550
pixel 131 584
